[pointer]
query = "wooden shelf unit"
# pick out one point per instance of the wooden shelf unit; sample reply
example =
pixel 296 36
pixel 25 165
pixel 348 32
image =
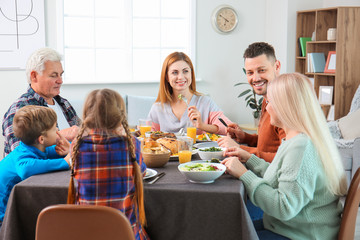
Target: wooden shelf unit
pixel 347 46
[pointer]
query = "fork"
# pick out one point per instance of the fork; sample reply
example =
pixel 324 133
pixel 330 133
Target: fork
pixel 207 137
pixel 182 97
pixel 157 178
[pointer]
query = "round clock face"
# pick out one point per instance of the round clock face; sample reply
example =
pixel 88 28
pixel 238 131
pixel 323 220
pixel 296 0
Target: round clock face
pixel 225 19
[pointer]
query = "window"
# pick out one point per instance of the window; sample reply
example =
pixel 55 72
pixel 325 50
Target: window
pixel 113 41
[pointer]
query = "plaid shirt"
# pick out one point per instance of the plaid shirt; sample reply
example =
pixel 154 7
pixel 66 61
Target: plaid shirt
pixel 32 98
pixel 105 175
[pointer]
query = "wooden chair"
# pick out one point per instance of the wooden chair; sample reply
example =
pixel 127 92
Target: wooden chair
pixel 351 208
pixel 78 222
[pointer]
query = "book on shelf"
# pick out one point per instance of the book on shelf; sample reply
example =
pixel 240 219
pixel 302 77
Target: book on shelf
pixel 316 62
pixel 302 41
pixel 310 67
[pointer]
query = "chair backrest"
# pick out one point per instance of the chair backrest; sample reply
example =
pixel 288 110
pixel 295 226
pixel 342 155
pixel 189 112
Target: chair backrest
pixel 348 222
pixel 138 107
pixel 77 222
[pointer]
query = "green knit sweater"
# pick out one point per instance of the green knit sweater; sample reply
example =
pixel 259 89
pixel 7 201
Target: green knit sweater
pixel 292 192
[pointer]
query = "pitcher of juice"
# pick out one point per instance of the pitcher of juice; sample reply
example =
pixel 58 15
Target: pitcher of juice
pixel 185 149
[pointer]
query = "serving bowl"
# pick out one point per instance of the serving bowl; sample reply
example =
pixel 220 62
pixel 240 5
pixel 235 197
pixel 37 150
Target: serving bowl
pixel 208 155
pixel 155 160
pixel 202 176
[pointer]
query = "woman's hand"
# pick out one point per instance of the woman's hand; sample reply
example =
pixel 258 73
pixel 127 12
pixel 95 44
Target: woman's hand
pixel 226 142
pixel 195 117
pixel 234 166
pixel 62 146
pixel 237 152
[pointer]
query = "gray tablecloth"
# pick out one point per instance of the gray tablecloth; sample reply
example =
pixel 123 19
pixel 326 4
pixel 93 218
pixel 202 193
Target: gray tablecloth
pixel 175 208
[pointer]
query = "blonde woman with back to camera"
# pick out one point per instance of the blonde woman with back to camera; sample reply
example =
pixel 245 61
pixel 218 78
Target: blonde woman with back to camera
pixel 299 191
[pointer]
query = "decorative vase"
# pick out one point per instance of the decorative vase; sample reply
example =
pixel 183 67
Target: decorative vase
pixel 256 121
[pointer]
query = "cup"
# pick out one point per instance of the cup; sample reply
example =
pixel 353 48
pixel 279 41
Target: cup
pixel 144 126
pixel 185 149
pixel 191 132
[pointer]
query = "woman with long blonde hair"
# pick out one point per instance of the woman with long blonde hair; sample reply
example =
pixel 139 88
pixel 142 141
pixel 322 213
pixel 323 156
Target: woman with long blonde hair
pixel 299 191
pixel 106 159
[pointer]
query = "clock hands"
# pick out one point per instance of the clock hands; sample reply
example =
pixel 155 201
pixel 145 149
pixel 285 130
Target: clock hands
pixel 224 19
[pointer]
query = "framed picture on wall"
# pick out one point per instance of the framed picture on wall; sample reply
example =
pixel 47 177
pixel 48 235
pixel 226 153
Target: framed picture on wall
pixel 326 95
pixel 330 66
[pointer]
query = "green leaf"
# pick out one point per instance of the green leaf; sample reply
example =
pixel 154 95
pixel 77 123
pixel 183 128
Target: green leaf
pixel 261 100
pixel 252 105
pixel 252 100
pixel 244 92
pixel 256 114
pixel 244 71
pixel 241 83
pixel 248 97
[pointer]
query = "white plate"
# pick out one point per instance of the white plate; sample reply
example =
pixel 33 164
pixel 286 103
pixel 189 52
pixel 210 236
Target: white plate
pixel 206 144
pixel 150 173
pixel 176 156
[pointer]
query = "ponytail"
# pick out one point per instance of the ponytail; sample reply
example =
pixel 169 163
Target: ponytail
pixel 74 155
pixel 139 189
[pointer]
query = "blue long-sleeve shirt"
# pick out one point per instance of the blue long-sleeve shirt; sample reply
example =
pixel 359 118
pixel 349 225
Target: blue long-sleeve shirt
pixel 23 162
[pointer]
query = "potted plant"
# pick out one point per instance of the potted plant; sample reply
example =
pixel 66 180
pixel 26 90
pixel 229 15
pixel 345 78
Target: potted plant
pixel 251 100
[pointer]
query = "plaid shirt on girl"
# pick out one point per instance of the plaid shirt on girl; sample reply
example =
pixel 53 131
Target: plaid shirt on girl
pixel 105 174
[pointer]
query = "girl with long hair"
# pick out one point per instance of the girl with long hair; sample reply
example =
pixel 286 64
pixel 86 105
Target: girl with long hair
pixel 299 191
pixel 106 160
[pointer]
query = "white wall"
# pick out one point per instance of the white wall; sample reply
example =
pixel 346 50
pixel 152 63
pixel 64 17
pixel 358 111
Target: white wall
pixel 219 57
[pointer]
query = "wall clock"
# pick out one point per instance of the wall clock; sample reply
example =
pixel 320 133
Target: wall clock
pixel 224 19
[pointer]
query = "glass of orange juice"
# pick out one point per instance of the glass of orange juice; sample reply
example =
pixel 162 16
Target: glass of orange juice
pixel 191 132
pixel 185 149
pixel 144 126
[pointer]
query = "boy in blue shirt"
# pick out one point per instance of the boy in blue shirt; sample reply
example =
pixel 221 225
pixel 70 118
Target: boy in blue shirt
pixel 42 149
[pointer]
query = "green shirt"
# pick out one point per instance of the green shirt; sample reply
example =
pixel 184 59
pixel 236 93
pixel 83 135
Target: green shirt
pixel 292 192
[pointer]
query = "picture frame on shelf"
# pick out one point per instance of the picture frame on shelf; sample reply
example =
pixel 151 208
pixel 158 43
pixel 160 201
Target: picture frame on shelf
pixel 331 114
pixel 330 65
pixel 326 95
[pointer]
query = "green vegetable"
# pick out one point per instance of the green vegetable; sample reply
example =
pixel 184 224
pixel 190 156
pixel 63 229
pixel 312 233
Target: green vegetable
pixel 215 160
pixel 199 167
pixel 211 149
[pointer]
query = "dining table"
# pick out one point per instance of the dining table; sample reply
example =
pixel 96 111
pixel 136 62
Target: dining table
pixel 175 207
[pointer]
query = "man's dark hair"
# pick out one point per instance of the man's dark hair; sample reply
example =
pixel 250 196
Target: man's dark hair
pixel 259 48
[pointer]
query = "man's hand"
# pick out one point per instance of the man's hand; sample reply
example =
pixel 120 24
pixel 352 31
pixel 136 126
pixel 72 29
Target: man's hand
pixel 236 132
pixel 226 142
pixel 70 133
pixel 62 146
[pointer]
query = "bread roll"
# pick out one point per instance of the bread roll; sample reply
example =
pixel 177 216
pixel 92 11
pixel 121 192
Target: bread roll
pixel 169 143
